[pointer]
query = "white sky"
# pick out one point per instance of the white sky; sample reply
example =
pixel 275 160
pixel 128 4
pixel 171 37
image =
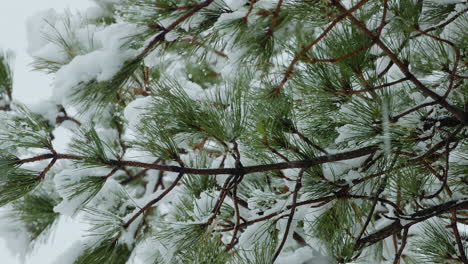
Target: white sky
pixel 31 87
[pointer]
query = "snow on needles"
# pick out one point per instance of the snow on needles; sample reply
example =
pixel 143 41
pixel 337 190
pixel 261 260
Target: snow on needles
pixel 105 59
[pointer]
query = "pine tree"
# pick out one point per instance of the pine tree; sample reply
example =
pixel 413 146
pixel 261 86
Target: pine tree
pixel 268 131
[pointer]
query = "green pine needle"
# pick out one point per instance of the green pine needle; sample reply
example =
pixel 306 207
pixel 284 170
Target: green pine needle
pixel 437 244
pixel 36 212
pixel 6 73
pixel 106 230
pixel 17 183
pixel 95 150
pixel 25 129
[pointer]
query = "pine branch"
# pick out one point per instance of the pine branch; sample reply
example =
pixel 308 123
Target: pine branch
pixel 458 113
pixel 291 215
pixel 160 37
pixel 305 49
pixel 422 215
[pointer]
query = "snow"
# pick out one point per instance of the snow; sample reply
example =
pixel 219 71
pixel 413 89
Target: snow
pixel 128 235
pixel 47 109
pixel 301 255
pixel 204 205
pixel 335 170
pixel 62 137
pixel 235 4
pixel 228 17
pixel 100 64
pixel 36 25
pixel 67 177
pixel 386 129
pixel 266 4
pixel 18 242
pixel 256 233
pixel 71 254
pixel 134 110
pixel 147 250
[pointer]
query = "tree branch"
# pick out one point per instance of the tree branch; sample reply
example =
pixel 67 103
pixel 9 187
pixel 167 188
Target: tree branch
pixel 458 113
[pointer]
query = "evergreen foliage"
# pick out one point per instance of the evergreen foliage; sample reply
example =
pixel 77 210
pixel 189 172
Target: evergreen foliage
pixel 6 76
pixel 250 131
pixel 36 212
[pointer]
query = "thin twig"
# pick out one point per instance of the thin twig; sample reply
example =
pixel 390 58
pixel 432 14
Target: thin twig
pixel 402 247
pixel 291 215
pixel 305 49
pixel 154 201
pixel 461 247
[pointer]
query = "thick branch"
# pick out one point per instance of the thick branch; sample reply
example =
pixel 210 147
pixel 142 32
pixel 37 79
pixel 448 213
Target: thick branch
pixel 219 171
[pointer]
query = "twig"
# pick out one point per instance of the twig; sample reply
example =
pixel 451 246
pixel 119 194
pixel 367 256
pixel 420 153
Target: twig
pixel 402 247
pixel 305 49
pixel 291 215
pixel 154 201
pixel 460 245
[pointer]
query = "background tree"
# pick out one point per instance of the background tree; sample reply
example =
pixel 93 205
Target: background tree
pixel 305 131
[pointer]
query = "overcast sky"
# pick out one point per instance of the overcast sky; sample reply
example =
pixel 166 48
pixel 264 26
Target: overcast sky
pixel 31 87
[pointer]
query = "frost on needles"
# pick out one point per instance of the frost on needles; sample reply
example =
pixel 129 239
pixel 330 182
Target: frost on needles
pixel 237 131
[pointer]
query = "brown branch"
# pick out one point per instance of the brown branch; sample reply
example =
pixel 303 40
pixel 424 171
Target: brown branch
pixel 112 172
pixel 237 180
pixel 238 218
pixel 273 150
pixel 175 7
pixel 409 111
pixel 139 174
pixel 47 169
pixel 445 176
pixel 221 198
pixel 34 159
pixel 61 119
pixel 219 171
pixel 384 16
pixel 5 108
pixel 274 19
pixel 246 17
pixel 252 169
pixel 160 182
pixel 320 201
